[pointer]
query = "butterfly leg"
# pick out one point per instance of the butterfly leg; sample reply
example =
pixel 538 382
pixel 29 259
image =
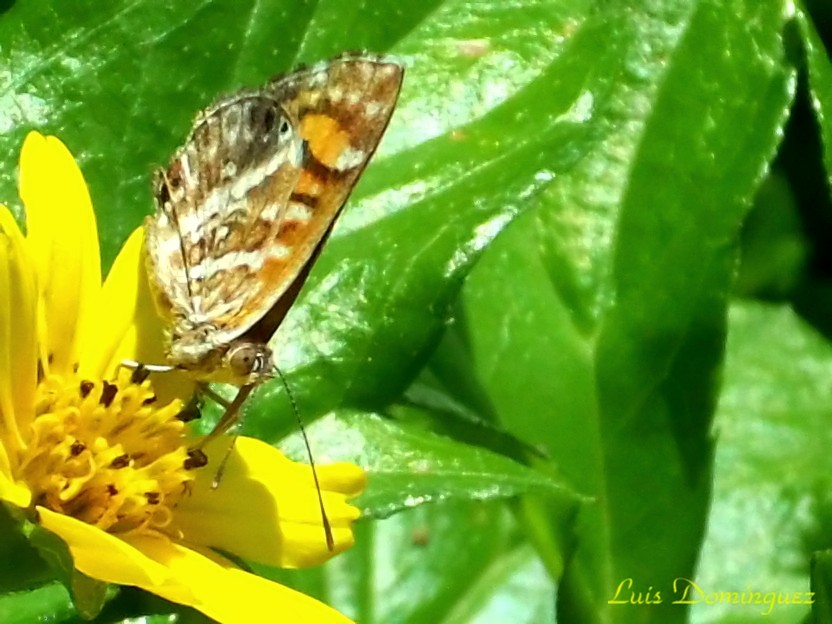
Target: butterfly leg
pixel 221 470
pixel 205 390
pixel 141 371
pixel 229 418
pixel 231 414
pixel 148 368
pixel 192 410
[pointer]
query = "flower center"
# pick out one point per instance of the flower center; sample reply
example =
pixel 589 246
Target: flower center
pixel 104 453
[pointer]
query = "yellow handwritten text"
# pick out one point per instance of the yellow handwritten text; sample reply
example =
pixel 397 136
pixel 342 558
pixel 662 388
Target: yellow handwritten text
pixel 689 593
pixel 625 594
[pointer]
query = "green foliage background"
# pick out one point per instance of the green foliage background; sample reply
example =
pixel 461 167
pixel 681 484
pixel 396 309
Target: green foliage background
pixel 574 321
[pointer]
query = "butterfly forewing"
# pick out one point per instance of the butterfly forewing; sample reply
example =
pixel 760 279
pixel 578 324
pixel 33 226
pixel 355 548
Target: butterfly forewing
pixel 341 109
pixel 246 203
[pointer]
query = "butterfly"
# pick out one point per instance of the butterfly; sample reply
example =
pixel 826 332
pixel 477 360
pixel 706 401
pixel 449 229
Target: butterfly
pixel 246 205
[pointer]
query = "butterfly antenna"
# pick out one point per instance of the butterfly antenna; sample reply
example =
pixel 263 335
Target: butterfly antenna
pixel 330 541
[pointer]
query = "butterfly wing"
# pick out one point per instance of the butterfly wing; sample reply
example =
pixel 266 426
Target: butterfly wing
pixel 342 108
pixel 217 203
pixel 245 204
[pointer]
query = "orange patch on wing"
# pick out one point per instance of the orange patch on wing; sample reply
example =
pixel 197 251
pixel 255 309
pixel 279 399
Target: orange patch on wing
pixel 326 139
pixel 309 184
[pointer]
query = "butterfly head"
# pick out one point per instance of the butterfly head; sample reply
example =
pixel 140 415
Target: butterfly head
pixel 241 362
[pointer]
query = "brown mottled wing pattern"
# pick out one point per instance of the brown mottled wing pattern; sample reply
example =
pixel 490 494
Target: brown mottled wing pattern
pixel 217 204
pixel 245 204
pixel 341 108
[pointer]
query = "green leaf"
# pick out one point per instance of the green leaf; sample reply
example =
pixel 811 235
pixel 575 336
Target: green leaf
pixel 596 321
pixel 408 466
pixel 134 606
pixel 452 562
pixel 88 595
pixel 773 472
pixel 820 83
pixel 822 586
pixel 774 245
pixel 34 557
pixel 49 603
pixel 29 570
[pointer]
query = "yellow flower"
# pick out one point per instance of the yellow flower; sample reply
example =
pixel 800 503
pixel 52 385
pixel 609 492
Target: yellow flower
pixel 100 458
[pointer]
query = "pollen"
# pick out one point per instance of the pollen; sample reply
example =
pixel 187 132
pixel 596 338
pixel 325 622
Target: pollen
pixel 105 453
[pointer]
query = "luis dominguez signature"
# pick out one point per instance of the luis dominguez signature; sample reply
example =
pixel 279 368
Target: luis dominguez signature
pixel 687 592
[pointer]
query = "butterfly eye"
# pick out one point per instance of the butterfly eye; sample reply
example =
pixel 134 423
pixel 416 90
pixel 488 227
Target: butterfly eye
pixel 160 187
pixel 163 193
pixel 246 359
pixel 275 125
pixel 268 119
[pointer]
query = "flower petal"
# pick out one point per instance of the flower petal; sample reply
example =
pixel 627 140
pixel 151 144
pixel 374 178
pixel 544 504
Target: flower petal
pixel 63 240
pixel 107 558
pixel 15 493
pixel 182 575
pixel 129 326
pixel 273 504
pixel 18 337
pixel 230 595
pixel 116 309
